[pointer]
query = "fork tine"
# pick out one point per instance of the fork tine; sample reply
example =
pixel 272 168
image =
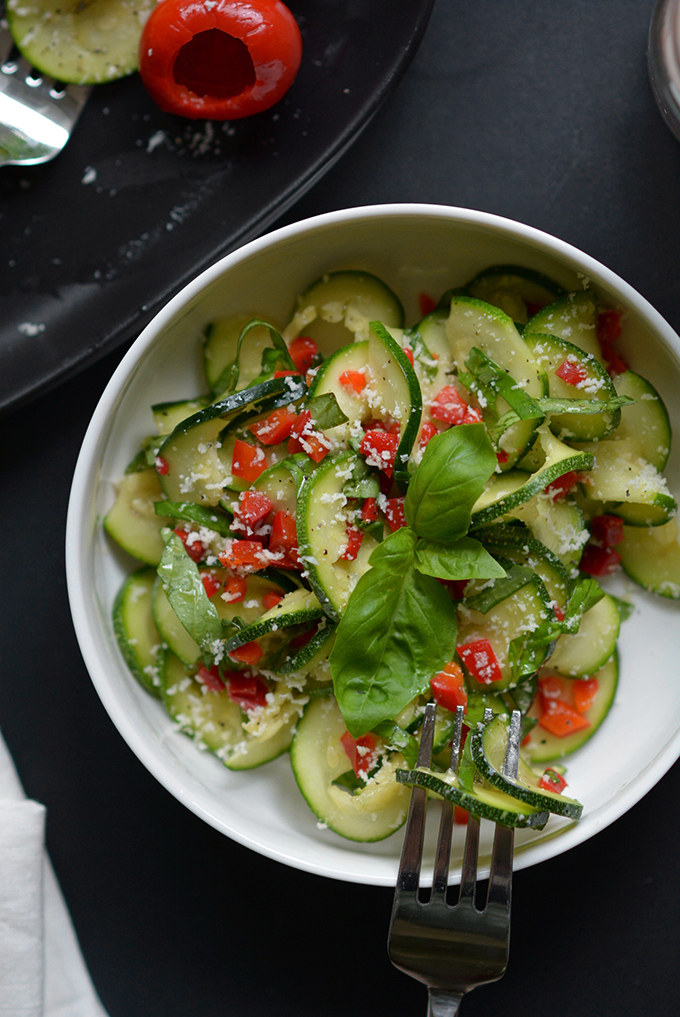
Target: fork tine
pixel 440 878
pixel 468 879
pixel 500 878
pixel 412 852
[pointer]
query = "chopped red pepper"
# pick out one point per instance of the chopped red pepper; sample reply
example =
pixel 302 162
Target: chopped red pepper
pixel 456 587
pixel 210 678
pixel 392 427
pixel 283 540
pixel 355 380
pixel 211 583
pixel 304 352
pixel 271 599
pixel 276 427
pixel 162 467
pixel 248 691
pixel 249 653
pixel 448 687
pixel 559 612
pixel 234 590
pixel 248 461
pixel 369 510
pixel 297 642
pixel 550 690
pixel 608 331
pixel 533 308
pixel 609 326
pixel 286 374
pixel 253 507
pixel 552 781
pixel 427 433
pixel 449 406
pixel 502 456
pixel 585 693
pixel 599 561
pixel 562 719
pixel 222 61
pixel 481 661
pixel 571 372
pixel 355 539
pixel 563 485
pixel 360 752
pixel 607 530
pixel 243 554
pixel 194 548
pixel 303 438
pixel 460 815
pixel 409 353
pixel 380 447
pixel 427 304
pixel 394 513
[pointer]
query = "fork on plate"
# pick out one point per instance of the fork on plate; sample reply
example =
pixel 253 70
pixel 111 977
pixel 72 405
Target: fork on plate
pixel 37 113
pixel 452 948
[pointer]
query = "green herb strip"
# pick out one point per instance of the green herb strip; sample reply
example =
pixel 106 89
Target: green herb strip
pixel 186 593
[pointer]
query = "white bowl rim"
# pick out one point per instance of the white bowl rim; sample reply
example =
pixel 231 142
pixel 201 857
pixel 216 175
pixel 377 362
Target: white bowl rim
pixel 77 523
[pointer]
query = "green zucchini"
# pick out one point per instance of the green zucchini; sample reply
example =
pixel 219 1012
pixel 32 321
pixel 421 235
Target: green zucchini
pixel 219 351
pixel 621 476
pixel 488 747
pixel 651 556
pixel 542 746
pixel 645 420
pixel 586 651
pixel 318 758
pixel 572 317
pixel 337 308
pixel 132 520
pixel 133 624
pixel 514 289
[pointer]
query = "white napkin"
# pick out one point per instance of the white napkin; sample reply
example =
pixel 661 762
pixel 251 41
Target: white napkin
pixel 42 971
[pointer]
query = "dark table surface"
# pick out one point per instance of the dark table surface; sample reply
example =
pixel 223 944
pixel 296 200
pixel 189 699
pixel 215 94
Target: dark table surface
pixel 540 111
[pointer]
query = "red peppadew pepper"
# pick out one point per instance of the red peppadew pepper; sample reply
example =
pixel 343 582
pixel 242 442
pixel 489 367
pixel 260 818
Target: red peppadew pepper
pixel 219 61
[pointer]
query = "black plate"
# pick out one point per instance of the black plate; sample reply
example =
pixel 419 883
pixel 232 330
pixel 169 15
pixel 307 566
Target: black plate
pixel 140 201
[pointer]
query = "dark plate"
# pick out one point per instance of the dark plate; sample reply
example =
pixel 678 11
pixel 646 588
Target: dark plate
pixel 140 201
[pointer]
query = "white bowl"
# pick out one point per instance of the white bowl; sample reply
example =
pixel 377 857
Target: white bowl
pixel 414 248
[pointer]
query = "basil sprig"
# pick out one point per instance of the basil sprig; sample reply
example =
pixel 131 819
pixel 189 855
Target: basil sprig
pixel 228 379
pixel 399 626
pixel 184 589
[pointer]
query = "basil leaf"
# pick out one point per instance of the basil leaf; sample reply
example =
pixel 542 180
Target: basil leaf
pixel 397 630
pixel 478 702
pixel 325 411
pixel 422 354
pixel 212 519
pixel 363 483
pixel 465 558
pixel 397 738
pixel 376 529
pixel 449 480
pixel 349 782
pixel 586 594
pixel 494 379
pixel 185 591
pixel 396 551
pixel 228 379
pixel 300 466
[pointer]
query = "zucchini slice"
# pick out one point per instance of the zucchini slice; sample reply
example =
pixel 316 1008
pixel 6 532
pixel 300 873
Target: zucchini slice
pixel 552 353
pixel 295 608
pixel 652 557
pixel 484 800
pixel 337 309
pixel 76 42
pixel 132 520
pixel 322 519
pixel 621 475
pixel 167 416
pixel 572 317
pixel 327 379
pixel 516 290
pixel 558 524
pixel 645 420
pixel 216 721
pixel 586 651
pixel 318 758
pixel 394 392
pixel 488 747
pixel 198 467
pixel 517 544
pixel 474 323
pixel 505 492
pixel 135 630
pixel 542 746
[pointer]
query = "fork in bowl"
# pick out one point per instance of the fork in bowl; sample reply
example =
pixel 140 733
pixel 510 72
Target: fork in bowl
pixel 37 114
pixel 452 948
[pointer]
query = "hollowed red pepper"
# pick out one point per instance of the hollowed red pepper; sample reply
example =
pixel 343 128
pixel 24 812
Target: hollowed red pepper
pixel 221 60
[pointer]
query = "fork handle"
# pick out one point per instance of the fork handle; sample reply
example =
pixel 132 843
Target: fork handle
pixel 443 1002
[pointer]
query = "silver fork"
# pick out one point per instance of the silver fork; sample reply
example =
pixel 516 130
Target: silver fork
pixel 452 948
pixel 37 114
